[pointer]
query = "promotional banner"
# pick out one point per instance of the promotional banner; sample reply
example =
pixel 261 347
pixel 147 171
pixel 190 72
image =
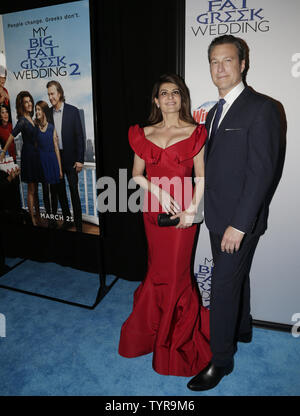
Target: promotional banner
pixel 48 80
pixel 271 30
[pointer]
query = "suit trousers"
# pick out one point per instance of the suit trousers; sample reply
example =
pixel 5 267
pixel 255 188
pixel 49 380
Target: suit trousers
pixel 230 297
pixel 58 192
pixel 52 194
pixel 72 177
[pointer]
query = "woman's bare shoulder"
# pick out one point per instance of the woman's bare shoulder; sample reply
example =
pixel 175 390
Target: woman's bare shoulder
pixel 188 128
pixel 189 125
pixel 148 130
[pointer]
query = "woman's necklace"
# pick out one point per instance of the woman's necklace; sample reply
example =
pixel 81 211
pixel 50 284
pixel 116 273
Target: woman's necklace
pixel 43 127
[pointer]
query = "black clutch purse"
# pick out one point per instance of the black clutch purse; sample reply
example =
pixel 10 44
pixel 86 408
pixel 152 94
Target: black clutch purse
pixel 164 220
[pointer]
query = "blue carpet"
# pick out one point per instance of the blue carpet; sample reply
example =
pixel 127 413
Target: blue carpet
pixel 52 348
pixel 52 280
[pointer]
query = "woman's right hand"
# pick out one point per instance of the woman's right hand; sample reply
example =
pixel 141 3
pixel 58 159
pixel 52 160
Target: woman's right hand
pixel 170 206
pixel 2 156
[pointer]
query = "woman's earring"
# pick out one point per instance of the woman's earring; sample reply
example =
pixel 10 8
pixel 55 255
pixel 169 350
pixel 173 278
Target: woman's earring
pixel 157 105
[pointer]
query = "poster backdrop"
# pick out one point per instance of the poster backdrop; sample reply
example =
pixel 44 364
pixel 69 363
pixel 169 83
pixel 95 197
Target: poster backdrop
pixel 271 30
pixel 53 43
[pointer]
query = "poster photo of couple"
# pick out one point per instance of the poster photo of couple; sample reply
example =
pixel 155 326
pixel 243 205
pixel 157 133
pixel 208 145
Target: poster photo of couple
pixel 46 116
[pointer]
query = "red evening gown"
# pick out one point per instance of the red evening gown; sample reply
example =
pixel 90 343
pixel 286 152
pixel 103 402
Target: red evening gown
pixel 167 317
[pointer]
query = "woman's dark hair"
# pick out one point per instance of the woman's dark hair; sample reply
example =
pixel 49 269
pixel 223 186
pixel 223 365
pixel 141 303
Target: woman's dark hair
pixel 19 103
pixel 240 44
pixel 59 89
pixel 185 110
pixel 45 108
pixel 8 110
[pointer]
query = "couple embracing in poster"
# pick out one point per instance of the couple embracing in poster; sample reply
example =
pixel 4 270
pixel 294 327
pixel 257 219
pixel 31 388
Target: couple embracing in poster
pixel 53 147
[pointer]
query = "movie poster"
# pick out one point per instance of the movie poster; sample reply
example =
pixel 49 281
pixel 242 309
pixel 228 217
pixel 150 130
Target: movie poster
pixel 48 78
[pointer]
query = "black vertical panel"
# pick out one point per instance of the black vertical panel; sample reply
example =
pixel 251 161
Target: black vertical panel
pixel 136 43
pixel 180 38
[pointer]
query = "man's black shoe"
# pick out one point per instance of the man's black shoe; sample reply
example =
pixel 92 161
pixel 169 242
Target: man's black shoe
pixel 245 337
pixel 209 377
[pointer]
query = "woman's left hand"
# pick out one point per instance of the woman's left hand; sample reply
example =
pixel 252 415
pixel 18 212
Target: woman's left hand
pixel 186 219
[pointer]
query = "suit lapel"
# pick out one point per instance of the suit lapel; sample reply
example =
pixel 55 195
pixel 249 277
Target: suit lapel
pixel 207 125
pixel 51 119
pixel 210 117
pixel 63 122
pixel 235 107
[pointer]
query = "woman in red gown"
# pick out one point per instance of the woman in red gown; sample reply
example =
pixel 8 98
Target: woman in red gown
pixel 168 318
pixel 5 130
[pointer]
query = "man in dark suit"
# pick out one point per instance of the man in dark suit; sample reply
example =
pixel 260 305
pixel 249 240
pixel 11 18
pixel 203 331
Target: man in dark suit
pixel 66 119
pixel 241 157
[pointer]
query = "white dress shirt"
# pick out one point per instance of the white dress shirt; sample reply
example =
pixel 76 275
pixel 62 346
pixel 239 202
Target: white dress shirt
pixel 230 98
pixel 57 118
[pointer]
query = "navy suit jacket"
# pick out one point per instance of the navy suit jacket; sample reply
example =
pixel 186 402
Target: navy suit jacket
pixel 72 136
pixel 241 164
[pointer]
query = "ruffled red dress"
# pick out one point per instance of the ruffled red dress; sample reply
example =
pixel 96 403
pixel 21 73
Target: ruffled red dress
pixel 167 317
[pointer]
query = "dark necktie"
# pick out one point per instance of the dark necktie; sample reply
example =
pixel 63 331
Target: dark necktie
pixel 214 128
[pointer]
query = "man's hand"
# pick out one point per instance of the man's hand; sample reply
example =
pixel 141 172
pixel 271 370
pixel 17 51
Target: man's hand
pixel 78 166
pixel 231 240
